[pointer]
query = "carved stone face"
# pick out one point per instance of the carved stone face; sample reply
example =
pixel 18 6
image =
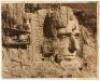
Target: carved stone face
pixel 66 30
pixel 69 41
pixel 68 34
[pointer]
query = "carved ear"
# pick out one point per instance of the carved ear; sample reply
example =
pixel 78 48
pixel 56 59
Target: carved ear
pixel 85 35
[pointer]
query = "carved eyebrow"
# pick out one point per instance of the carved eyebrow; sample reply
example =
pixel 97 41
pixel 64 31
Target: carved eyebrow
pixel 58 27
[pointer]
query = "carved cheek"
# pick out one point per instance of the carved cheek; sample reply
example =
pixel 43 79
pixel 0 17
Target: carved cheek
pixel 76 39
pixel 63 46
pixel 77 44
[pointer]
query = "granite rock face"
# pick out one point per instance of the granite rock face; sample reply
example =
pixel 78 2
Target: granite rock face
pixel 53 51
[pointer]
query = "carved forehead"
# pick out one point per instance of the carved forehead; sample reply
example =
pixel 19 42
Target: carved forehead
pixel 63 16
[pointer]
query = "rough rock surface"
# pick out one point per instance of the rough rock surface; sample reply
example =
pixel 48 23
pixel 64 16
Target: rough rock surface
pixel 18 62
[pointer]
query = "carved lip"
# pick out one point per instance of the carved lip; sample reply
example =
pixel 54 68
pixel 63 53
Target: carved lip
pixel 70 55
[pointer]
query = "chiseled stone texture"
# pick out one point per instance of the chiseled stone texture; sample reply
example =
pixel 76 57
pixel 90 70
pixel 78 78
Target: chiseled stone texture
pixel 17 62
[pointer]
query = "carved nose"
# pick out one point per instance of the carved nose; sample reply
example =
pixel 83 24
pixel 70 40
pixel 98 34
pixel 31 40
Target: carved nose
pixel 71 50
pixel 72 46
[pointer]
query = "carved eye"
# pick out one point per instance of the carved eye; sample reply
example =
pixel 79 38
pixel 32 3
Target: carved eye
pixel 68 34
pixel 77 35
